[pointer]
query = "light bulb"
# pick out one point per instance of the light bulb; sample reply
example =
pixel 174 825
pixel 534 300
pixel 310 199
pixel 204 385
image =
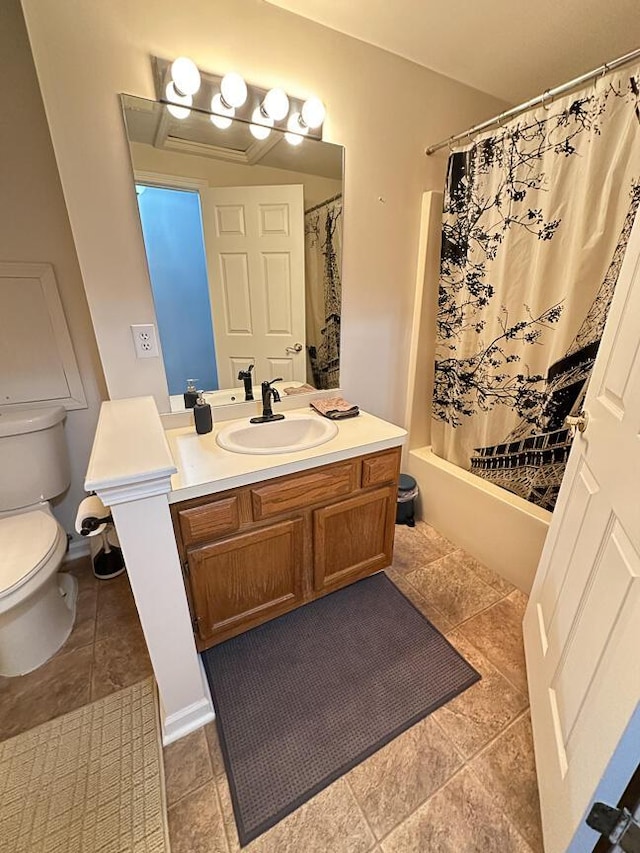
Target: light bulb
pixel 185 76
pixel 187 100
pixel 218 107
pixel 313 112
pixel 297 130
pixel 276 104
pixel 261 127
pixel 233 89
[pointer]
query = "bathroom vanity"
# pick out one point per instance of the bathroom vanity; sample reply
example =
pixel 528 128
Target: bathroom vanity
pixel 252 553
pixel 217 542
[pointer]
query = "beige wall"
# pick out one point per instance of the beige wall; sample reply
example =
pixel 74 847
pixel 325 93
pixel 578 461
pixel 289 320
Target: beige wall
pixel 146 158
pixel 34 227
pixel 382 108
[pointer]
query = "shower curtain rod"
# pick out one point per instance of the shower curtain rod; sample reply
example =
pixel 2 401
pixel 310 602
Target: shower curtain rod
pixel 549 95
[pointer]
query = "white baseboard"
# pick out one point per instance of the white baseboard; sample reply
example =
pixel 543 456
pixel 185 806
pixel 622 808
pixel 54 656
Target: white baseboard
pixel 77 548
pixel 186 720
pixel 192 717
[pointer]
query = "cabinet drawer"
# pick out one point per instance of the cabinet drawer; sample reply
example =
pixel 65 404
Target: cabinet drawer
pixel 303 490
pixel 209 521
pixel 383 468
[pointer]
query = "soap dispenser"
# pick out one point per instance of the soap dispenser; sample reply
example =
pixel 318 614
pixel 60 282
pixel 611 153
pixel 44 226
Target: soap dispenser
pixel 202 415
pixel 191 394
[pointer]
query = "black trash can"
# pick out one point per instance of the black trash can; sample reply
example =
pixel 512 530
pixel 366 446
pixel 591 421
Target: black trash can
pixel 407 493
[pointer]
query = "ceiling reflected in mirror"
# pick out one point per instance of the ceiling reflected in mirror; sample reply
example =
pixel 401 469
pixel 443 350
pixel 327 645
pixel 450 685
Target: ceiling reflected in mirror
pixel 243 239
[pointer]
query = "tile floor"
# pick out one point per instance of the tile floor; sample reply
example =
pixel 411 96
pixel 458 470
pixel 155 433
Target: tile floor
pixel 105 652
pixel 463 779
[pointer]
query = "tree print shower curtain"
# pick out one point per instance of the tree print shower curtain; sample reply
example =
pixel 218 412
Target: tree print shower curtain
pixel 323 291
pixel 536 219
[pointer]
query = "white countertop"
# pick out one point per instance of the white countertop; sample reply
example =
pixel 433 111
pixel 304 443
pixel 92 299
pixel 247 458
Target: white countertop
pixel 130 445
pixel 205 468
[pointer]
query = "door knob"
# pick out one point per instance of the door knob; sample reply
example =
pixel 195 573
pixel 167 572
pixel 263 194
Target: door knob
pixel 294 348
pixel 579 421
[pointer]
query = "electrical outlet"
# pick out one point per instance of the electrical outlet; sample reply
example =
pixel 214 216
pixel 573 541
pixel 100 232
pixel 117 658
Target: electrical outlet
pixel 144 340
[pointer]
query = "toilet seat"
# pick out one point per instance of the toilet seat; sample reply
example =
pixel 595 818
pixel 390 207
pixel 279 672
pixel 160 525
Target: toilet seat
pixel 27 540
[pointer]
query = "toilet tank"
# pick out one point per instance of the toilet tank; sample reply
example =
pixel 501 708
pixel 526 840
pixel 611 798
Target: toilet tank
pixel 34 462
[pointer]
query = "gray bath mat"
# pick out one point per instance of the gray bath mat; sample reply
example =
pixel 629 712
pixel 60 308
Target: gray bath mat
pixel 304 698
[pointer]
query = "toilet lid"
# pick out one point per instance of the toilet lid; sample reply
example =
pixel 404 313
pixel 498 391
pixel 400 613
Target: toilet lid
pixel 26 540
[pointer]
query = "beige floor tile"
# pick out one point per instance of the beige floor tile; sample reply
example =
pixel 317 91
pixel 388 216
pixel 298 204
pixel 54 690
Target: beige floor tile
pixel 480 713
pixel 82 570
pixel 118 662
pixel 117 613
pixel 187 765
pixel 396 779
pixel 507 769
pixel 453 588
pixel 215 753
pixel 331 821
pixel 433 615
pixel 195 823
pixel 59 686
pixel 485 574
pixel 417 546
pixel 459 818
pixel 497 633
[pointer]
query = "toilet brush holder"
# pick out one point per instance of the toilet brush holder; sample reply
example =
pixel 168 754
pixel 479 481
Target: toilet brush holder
pixel 108 562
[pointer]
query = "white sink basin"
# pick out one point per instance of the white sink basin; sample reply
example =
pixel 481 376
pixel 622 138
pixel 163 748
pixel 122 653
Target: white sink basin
pixel 295 432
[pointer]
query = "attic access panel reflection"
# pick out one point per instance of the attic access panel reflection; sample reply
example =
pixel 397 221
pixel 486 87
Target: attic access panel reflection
pixel 204 156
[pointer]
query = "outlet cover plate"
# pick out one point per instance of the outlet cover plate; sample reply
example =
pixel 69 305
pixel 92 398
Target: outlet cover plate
pixel 145 340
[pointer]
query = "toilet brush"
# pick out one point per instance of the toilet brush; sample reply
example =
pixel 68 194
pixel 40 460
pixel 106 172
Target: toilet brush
pixel 108 562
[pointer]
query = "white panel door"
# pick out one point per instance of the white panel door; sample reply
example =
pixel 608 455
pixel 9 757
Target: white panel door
pixel 254 239
pixel 582 624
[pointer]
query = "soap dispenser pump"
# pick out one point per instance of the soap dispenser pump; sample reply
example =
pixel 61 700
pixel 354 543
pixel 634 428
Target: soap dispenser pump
pixel 191 394
pixel 202 415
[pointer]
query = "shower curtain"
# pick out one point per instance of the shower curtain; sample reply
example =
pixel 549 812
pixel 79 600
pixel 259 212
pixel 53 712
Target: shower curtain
pixel 323 254
pixel 537 215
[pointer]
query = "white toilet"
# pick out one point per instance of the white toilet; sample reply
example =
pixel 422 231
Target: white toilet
pixel 37 605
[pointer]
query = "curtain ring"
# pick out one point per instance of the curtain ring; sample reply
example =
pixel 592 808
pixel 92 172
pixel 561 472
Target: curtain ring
pixel 546 94
pixel 602 75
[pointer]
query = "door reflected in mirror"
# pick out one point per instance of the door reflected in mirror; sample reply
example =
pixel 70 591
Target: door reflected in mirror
pixel 243 239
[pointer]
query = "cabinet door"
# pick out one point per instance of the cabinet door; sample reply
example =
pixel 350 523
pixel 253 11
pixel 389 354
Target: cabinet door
pixel 246 579
pixel 353 538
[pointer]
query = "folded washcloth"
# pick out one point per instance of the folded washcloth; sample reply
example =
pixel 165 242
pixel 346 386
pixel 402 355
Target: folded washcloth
pixel 300 389
pixel 335 408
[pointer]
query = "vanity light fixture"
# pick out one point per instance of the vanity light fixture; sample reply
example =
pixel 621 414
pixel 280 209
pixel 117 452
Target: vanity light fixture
pixel 275 105
pixel 233 90
pixel 174 98
pixel 222 114
pixel 185 76
pixel 296 130
pixel 261 124
pixel 183 87
pixel 313 113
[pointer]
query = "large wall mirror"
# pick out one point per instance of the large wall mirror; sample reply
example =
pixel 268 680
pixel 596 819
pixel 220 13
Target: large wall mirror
pixel 243 238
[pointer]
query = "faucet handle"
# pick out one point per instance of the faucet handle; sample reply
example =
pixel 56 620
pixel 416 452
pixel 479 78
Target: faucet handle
pixel 277 379
pixel 246 374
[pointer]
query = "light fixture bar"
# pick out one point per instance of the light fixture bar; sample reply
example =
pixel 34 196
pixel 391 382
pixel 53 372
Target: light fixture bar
pixel 234 94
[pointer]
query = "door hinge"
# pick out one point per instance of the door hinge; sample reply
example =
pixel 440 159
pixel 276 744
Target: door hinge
pixel 617 825
pixel 194 622
pixel 185 566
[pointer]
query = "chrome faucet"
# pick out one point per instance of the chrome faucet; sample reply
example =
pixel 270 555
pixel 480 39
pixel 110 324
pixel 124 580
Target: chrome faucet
pixel 245 375
pixel 268 394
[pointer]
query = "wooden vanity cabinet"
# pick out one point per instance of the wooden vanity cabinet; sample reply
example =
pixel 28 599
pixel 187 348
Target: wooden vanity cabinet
pixel 256 552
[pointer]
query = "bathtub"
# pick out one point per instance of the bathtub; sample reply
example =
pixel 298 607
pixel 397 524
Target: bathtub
pixel 500 529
